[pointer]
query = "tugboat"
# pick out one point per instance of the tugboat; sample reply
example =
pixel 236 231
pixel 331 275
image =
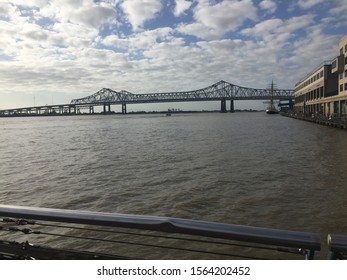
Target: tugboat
pixel 271 109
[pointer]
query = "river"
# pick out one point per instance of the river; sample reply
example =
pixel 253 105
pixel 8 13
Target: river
pixel 242 168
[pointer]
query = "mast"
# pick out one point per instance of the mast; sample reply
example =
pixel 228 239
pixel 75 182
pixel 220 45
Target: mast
pixel 272 93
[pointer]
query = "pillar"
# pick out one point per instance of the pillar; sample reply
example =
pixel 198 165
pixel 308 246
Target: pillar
pixel 124 108
pixel 223 107
pixel 232 109
pixel 91 109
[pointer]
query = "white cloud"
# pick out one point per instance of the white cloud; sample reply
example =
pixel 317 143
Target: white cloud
pixel 29 3
pixel 214 21
pixel 310 51
pixel 45 46
pixel 263 28
pixel 116 42
pixel 5 10
pixel 272 28
pixel 84 12
pixel 140 11
pixel 200 30
pixel 306 4
pixel 268 5
pixel 181 6
pixel 75 35
pixel 139 41
pixel 340 13
pixel 60 46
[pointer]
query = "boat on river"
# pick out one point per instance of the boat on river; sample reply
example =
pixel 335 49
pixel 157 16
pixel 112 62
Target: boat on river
pixel 271 109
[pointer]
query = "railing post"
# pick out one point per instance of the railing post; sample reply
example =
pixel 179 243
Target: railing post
pixel 309 255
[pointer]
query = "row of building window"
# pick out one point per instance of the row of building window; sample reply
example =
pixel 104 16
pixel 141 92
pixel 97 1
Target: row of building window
pixel 311 80
pixel 311 95
pixel 314 94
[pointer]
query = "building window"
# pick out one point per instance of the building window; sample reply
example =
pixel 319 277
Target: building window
pixel 345 86
pixel 341 87
pixel 345 60
pixel 346 48
pixel 346 74
pixel 341 76
pixel 341 51
pixel 321 73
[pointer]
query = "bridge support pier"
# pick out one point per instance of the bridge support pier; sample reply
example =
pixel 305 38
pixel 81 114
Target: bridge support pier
pixel 124 108
pixel 91 109
pixel 223 107
pixel 232 109
pixel 74 110
pixel 107 108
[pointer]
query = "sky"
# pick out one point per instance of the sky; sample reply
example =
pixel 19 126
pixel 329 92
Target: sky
pixel 52 51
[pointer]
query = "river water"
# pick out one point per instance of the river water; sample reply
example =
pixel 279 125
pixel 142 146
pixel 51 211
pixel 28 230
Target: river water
pixel 242 168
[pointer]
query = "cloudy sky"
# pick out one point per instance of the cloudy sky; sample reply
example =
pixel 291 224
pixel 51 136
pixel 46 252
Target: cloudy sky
pixel 52 51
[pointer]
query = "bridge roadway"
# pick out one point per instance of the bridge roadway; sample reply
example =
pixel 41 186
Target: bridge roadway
pixel 221 91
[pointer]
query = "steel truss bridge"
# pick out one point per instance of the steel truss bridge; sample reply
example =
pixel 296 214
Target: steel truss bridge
pixel 221 91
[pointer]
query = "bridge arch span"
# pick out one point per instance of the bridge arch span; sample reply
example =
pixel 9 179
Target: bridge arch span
pixel 221 90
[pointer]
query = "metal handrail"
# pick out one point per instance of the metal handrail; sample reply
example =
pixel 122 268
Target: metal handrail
pixel 309 242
